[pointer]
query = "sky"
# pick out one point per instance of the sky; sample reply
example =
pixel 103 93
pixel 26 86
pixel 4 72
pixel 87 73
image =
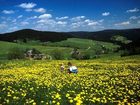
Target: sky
pixel 68 15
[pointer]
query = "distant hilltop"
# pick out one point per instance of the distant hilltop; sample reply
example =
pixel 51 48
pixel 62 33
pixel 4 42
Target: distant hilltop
pixel 105 35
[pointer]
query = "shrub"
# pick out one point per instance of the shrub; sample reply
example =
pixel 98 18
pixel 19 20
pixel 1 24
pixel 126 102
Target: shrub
pixel 58 54
pixel 15 53
pixel 86 55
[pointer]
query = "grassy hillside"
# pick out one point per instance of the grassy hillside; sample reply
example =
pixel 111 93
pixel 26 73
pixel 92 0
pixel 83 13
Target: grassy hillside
pixel 83 44
pixel 70 39
pixel 6 46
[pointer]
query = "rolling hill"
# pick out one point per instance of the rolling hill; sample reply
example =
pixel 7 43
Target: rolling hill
pixel 83 44
pixel 34 35
pixel 105 35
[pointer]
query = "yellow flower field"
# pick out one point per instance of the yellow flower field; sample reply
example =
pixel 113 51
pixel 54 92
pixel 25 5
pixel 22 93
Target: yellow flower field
pixel 97 82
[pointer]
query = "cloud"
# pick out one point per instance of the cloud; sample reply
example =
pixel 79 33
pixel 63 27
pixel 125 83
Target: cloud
pixel 46 21
pixel 3 25
pixel 40 10
pixel 50 23
pixel 76 24
pixel 134 17
pixel 27 5
pixel 132 10
pixel 41 21
pixel 87 20
pixel 87 24
pixel 13 28
pixel 20 16
pixel 93 23
pixel 8 11
pixel 105 13
pixel 102 20
pixel 47 16
pixel 61 23
pixel 82 22
pixel 33 17
pixel 138 21
pixel 123 23
pixel 78 18
pixel 24 23
pixel 62 18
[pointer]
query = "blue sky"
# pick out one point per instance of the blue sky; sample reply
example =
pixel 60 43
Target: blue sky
pixel 69 15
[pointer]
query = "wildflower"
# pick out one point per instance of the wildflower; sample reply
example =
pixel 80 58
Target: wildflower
pixel 57 96
pixel 58 103
pixel 53 101
pixel 67 95
pixel 71 101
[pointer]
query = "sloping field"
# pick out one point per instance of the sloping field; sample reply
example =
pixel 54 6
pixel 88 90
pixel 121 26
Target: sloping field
pixel 97 82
